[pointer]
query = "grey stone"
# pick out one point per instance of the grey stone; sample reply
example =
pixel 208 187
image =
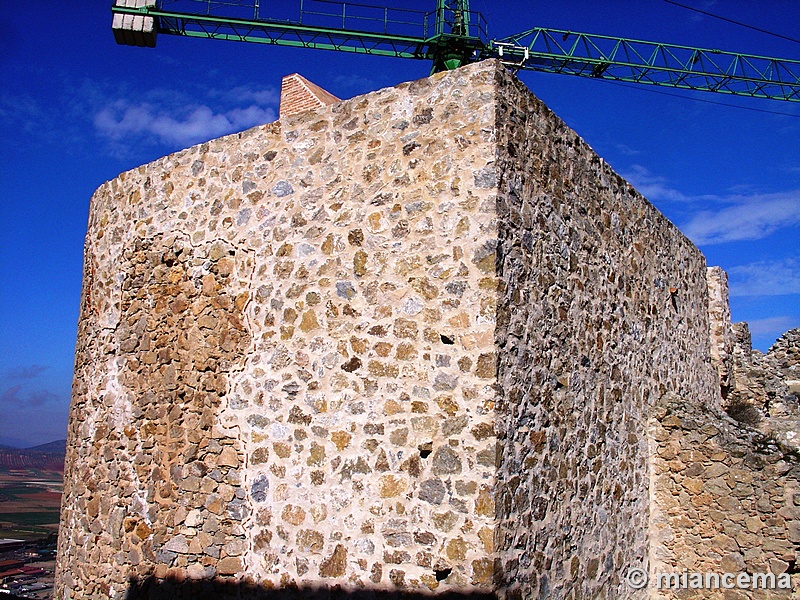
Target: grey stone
pixel 345 289
pixel 259 489
pixel 445 381
pixel 485 178
pixel 258 421
pixel 432 491
pixel 445 461
pixel 243 217
pixel 282 188
pixel 177 544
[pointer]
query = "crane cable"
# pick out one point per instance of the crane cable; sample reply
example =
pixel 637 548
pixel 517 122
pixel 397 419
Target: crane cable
pixel 692 8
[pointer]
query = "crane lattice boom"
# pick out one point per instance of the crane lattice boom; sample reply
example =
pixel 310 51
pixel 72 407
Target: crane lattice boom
pixel 453 35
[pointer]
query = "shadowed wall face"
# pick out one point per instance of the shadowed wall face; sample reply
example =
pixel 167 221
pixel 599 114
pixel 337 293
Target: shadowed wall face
pixel 603 310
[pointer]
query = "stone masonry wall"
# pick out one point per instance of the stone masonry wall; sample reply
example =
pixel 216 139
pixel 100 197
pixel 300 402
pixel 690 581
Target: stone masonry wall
pixel 757 389
pixel 726 499
pixel 409 341
pixel 603 310
pixel 719 311
pixel 286 359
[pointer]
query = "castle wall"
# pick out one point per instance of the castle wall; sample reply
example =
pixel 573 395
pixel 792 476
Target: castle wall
pixel 286 355
pixel 603 310
pixel 408 341
pixel 722 340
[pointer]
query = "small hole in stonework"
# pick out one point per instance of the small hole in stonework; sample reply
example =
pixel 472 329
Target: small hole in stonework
pixel 442 574
pixel 425 449
pixel 792 568
pixel 447 340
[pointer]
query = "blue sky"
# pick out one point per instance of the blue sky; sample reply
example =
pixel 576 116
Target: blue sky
pixel 76 110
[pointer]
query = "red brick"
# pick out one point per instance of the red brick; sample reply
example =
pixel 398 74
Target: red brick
pixel 299 95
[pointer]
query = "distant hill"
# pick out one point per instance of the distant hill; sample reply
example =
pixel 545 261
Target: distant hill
pixel 45 457
pixel 58 447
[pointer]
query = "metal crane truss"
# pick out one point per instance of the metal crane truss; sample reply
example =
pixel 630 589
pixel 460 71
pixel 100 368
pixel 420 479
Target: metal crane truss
pixel 560 51
pixel 453 35
pixel 319 24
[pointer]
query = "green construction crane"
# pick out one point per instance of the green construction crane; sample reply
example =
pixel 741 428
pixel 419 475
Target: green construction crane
pixel 454 35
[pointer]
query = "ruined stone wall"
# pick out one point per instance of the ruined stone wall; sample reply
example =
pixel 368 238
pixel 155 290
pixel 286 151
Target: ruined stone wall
pixel 758 390
pixel 722 340
pixel 286 355
pixel 725 499
pixel 603 310
pixel 766 391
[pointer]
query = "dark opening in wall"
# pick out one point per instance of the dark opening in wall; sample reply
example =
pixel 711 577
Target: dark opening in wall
pixel 447 340
pixel 425 449
pixel 442 574
pixel 151 588
pixel 792 569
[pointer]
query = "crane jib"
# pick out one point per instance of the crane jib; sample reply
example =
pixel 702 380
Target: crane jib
pixel 453 35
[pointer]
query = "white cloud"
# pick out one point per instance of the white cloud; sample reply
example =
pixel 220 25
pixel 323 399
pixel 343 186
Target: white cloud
pixel 653 187
pixel 773 326
pixel 750 217
pixel 175 118
pixel 175 127
pixel 765 278
pixel 262 97
pixel 627 150
pixel 738 215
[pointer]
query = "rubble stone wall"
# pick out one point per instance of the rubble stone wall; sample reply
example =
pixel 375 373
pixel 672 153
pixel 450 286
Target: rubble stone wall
pixel 722 339
pixel 726 499
pixel 286 354
pixel 408 341
pixel 603 311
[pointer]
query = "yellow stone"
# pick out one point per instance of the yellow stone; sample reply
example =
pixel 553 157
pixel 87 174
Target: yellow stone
pixel 482 571
pixel 360 263
pixel 406 351
pixel 486 536
pixel 341 439
pixel 281 449
pixel 392 407
pixel 456 549
pixel 459 321
pixel 293 514
pixel 391 486
pixel 694 485
pixel 484 503
pixel 317 455
pixel 375 222
pixel 309 321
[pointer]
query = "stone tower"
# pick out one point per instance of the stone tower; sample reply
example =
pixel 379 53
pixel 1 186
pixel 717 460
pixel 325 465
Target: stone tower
pixel 409 341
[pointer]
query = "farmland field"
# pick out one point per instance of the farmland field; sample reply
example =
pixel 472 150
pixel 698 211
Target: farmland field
pixel 29 503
